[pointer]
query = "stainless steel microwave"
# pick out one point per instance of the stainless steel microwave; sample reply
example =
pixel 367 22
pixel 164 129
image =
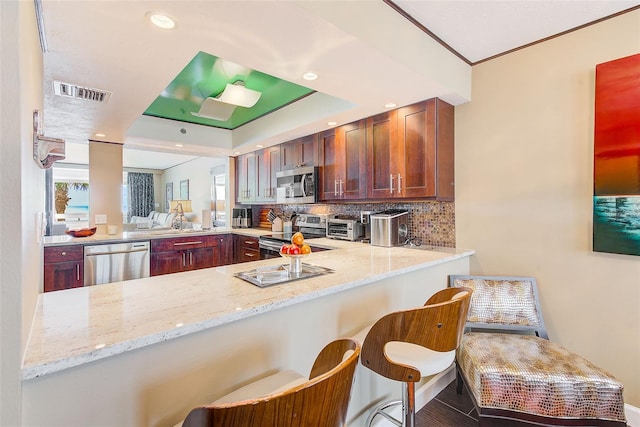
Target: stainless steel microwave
pixel 297 185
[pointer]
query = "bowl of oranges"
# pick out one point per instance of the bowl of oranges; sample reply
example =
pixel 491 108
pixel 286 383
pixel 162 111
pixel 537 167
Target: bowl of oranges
pixel 296 250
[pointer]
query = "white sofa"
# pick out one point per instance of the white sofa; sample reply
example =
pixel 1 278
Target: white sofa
pixel 155 220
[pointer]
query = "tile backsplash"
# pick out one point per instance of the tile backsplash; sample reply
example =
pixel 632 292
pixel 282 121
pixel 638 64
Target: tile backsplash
pixel 430 222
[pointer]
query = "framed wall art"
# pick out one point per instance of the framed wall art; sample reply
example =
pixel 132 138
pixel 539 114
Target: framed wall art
pixel 616 170
pixel 168 196
pixel 184 190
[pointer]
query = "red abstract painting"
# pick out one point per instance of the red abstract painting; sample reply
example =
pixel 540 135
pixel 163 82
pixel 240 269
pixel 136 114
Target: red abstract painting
pixel 616 226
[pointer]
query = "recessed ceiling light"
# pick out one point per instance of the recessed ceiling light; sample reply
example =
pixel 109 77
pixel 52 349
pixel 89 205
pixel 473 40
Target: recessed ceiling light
pixel 237 152
pixel 100 135
pixel 179 145
pixel 260 146
pixel 389 105
pixel 332 123
pixel 310 76
pixel 161 20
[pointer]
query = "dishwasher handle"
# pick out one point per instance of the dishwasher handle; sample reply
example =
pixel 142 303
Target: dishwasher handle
pixel 127 251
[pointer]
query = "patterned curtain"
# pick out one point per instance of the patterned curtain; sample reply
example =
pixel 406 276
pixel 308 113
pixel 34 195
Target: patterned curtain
pixel 141 200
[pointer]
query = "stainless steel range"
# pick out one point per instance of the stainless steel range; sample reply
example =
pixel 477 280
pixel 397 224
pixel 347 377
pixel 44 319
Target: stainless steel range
pixel 311 225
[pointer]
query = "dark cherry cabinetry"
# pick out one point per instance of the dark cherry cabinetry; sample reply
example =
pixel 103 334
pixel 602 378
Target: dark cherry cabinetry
pixel 63 267
pixel 183 254
pixel 407 153
pixel 246 178
pixel 225 249
pixel 256 176
pixel 267 164
pixel 246 248
pixel 410 152
pixel 343 159
pixel 299 152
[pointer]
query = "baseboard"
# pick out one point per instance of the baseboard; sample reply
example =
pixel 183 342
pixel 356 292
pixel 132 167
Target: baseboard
pixel 633 415
pixel 424 394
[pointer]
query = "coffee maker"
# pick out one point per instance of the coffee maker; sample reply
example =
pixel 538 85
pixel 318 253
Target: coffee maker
pixel 241 218
pixel 366 225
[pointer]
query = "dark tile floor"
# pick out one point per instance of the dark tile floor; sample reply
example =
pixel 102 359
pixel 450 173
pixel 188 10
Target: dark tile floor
pixel 448 409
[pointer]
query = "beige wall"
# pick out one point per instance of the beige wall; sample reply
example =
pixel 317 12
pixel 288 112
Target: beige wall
pixel 105 184
pixel 524 186
pixel 21 190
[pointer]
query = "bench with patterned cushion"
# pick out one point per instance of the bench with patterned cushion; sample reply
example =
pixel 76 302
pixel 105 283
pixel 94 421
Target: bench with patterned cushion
pixel 525 376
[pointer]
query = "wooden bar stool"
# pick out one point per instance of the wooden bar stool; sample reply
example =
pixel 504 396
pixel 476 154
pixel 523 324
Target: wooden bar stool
pixel 408 345
pixel 288 399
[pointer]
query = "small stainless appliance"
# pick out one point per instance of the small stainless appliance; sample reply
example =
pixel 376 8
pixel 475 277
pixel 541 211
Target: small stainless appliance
pixel 389 228
pixel 344 228
pixel 297 185
pixel 241 218
pixel 366 225
pixel 116 262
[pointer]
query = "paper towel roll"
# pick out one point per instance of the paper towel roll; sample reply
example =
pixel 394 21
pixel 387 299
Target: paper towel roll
pixel 206 219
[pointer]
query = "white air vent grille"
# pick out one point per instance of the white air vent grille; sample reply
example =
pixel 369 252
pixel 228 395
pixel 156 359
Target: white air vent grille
pixel 74 91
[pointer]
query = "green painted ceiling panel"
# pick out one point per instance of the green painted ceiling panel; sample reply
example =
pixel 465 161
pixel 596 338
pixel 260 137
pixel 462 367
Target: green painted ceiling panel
pixel 206 76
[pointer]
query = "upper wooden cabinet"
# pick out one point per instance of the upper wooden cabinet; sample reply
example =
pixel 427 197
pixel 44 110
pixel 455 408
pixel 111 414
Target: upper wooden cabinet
pixel 343 159
pixel 299 152
pixel 267 164
pixel 246 178
pixel 410 152
pixel 406 153
pixel 256 176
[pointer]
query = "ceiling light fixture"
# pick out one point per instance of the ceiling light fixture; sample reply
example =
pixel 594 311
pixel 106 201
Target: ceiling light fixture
pixel 332 123
pixel 179 145
pixel 389 105
pixel 260 146
pixel 222 107
pixel 161 20
pixel 100 135
pixel 310 75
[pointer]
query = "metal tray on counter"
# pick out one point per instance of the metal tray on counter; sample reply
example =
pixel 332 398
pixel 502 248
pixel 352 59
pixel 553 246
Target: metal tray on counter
pixel 275 275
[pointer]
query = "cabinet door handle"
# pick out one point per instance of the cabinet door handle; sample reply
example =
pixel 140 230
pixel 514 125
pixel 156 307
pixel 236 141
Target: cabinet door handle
pixel 184 259
pixel 399 183
pixel 391 183
pixel 249 242
pixel 250 255
pixel 63 254
pixel 190 258
pixel 341 192
pixel 195 242
pixel 335 187
pixel 77 272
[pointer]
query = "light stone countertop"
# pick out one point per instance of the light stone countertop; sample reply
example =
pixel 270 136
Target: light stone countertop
pixel 76 326
pixel 148 235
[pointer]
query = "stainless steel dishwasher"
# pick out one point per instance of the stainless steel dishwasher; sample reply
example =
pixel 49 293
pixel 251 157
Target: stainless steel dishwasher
pixel 116 262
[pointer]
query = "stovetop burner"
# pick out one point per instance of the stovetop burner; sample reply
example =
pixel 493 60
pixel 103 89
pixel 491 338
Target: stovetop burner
pixel 286 237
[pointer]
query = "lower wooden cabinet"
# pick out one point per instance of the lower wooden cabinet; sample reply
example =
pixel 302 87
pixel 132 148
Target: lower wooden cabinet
pixel 183 254
pixel 246 248
pixel 63 267
pixel 225 249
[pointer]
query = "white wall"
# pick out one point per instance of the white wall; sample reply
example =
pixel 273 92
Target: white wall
pixel 21 192
pixel 197 172
pixel 524 187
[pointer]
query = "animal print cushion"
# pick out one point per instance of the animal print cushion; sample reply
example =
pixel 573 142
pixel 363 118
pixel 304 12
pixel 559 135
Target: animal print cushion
pixel 528 374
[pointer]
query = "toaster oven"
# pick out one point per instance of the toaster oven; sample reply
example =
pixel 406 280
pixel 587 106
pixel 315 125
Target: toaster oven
pixel 344 229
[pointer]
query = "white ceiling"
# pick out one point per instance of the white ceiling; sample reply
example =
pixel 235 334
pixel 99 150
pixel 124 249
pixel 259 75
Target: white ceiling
pixel 366 52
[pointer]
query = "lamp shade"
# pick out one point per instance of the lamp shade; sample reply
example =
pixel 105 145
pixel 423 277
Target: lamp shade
pixel 174 205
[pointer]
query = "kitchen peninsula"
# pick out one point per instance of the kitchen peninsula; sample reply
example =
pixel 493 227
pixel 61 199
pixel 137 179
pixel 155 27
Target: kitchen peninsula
pixel 145 351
